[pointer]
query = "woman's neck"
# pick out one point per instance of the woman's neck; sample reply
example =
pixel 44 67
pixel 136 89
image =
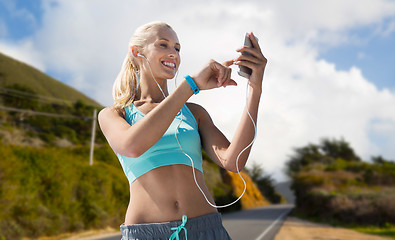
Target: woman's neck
pixel 149 91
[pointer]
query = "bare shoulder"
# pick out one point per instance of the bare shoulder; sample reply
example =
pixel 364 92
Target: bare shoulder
pixel 199 112
pixel 110 113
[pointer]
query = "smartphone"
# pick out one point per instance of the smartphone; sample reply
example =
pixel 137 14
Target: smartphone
pixel 245 71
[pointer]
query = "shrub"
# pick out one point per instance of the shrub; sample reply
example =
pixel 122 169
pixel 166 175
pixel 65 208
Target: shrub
pixel 48 191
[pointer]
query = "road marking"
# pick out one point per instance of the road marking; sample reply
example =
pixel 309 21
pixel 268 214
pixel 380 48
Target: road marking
pixel 260 237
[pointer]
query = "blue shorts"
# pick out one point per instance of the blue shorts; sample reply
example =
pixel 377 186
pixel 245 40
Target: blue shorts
pixel 206 227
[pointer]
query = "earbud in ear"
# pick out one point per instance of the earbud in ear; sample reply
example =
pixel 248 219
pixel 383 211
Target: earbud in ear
pixel 139 55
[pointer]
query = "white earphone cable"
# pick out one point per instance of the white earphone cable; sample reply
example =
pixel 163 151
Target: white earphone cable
pixel 149 66
pixel 193 166
pixel 237 160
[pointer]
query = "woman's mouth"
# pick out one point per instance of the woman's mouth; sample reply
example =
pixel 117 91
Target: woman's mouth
pixel 170 65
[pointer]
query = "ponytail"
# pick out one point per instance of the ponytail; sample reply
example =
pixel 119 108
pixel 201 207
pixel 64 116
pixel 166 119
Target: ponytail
pixel 125 86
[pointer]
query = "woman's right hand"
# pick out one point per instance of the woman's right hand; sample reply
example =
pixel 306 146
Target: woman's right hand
pixel 214 75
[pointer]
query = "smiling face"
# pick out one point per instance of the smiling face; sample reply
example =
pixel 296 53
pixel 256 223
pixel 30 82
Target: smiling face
pixel 163 52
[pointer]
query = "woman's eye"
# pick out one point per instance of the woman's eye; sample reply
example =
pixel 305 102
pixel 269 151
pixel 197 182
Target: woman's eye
pixel 177 49
pixel 163 45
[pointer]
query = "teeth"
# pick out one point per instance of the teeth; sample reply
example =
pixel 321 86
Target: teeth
pixel 169 64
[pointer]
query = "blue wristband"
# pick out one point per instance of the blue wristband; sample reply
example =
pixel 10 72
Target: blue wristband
pixel 191 83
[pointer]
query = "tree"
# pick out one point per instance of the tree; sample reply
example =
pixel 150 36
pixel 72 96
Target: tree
pixel 326 153
pixel 19 96
pixel 264 181
pixel 302 157
pixel 338 149
pixel 255 172
pixel 380 160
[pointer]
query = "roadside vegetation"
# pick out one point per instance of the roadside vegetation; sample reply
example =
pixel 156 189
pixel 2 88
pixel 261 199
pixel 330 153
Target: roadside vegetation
pixel 52 190
pixel 265 183
pixel 334 185
pixel 46 120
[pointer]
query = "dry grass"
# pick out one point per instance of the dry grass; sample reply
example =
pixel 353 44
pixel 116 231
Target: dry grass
pixel 252 198
pixel 297 229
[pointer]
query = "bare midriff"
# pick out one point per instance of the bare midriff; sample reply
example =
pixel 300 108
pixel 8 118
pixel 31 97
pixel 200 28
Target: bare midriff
pixel 165 194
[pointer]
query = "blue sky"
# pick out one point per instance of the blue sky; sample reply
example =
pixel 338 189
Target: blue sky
pixel 330 74
pixel 15 15
pixel 374 55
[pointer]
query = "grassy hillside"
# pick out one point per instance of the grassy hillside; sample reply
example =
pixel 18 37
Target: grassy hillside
pixel 332 184
pixel 252 198
pixel 13 72
pixel 48 191
pixel 38 110
pixel 61 125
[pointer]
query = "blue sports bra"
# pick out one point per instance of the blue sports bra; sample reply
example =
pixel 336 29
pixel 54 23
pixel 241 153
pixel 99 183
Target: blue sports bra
pixel 166 151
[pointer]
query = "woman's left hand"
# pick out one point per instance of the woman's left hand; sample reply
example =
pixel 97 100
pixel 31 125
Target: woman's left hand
pixel 214 75
pixel 254 60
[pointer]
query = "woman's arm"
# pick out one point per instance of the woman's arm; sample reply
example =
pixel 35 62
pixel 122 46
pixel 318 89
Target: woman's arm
pixel 218 147
pixel 133 141
pixel 214 142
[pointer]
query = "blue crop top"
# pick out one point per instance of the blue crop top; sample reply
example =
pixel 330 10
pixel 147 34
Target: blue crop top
pixel 166 151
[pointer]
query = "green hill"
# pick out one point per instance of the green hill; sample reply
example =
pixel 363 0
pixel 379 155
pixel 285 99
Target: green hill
pixel 14 72
pixel 37 110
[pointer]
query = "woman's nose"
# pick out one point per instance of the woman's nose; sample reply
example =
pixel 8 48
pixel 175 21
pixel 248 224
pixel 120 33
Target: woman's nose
pixel 173 53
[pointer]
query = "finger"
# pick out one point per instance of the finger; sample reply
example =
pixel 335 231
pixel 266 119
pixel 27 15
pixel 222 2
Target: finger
pixel 249 58
pixel 228 74
pixel 228 63
pixel 225 76
pixel 249 50
pixel 246 64
pixel 232 83
pixel 254 41
pixel 220 72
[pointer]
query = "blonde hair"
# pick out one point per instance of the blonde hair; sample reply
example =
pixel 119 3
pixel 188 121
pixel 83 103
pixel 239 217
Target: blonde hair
pixel 125 86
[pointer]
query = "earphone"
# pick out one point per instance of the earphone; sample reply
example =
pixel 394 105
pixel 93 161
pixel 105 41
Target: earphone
pixel 193 167
pixel 149 65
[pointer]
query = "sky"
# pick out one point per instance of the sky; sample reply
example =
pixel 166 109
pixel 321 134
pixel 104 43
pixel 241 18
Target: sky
pixel 330 71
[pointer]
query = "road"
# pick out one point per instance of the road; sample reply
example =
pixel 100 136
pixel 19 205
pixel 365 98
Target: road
pixel 254 224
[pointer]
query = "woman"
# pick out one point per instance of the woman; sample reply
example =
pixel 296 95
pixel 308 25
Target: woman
pixel 142 129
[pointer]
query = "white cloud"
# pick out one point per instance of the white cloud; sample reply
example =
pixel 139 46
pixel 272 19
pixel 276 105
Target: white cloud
pixel 304 98
pixel 386 29
pixel 326 22
pixel 24 51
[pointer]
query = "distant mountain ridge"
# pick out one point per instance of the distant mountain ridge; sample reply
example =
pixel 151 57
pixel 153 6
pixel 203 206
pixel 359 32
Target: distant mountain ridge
pixel 284 188
pixel 15 72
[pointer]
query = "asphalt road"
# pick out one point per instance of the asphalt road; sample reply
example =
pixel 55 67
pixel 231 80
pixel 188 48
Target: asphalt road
pixel 254 224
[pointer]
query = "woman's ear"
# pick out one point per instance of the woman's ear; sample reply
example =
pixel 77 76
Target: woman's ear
pixel 135 51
